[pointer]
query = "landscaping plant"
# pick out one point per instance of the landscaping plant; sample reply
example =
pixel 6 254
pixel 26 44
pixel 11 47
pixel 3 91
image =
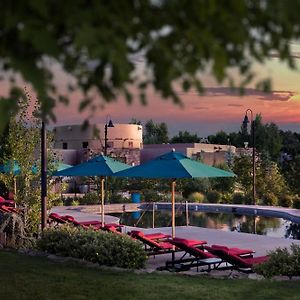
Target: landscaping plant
pixel 100 247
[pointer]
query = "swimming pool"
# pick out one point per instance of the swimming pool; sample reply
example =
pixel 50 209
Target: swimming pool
pixel 269 226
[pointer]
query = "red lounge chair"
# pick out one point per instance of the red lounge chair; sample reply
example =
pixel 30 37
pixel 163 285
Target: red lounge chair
pixel 234 251
pixel 237 262
pixel 72 220
pixel 152 236
pixel 153 247
pixel 94 224
pixel 198 257
pixel 193 243
pixel 5 202
pixel 53 217
pixel 8 209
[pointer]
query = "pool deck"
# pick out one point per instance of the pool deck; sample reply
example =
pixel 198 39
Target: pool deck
pixel 260 243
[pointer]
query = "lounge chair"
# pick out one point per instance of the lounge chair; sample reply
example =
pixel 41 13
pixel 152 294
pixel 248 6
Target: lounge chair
pixel 153 247
pixel 198 256
pixel 153 236
pixel 56 218
pixel 92 224
pixel 8 209
pixel 9 203
pixel 235 251
pixel 238 262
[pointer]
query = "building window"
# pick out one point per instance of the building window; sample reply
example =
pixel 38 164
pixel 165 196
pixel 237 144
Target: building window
pixel 85 145
pixel 130 144
pixel 65 145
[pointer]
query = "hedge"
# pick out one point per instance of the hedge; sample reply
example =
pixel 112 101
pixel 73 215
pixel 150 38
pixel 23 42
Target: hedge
pixel 100 247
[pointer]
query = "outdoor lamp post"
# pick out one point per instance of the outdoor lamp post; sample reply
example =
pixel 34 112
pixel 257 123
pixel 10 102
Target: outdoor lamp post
pixel 245 125
pixel 110 124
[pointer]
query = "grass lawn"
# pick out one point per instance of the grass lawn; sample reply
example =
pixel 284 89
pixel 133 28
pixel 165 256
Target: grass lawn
pixel 24 277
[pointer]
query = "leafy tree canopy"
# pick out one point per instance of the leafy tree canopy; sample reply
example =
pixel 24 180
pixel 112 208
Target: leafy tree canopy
pixel 99 43
pixel 156 133
pixel 185 137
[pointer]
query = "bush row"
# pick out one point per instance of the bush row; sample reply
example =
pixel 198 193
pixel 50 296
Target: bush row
pixel 210 197
pixel 99 247
pixel 281 262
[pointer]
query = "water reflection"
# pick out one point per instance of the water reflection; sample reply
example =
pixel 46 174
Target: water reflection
pixel 275 227
pixel 293 231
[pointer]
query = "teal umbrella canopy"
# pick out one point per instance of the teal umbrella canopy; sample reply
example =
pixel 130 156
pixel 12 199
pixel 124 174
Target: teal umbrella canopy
pixel 14 168
pixel 10 167
pixel 173 165
pixel 59 166
pixel 98 166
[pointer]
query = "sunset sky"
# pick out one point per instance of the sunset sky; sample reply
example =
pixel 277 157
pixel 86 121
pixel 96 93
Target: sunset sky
pixel 218 109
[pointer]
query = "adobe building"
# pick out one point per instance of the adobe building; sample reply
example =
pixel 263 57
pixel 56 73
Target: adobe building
pixel 210 154
pixel 74 145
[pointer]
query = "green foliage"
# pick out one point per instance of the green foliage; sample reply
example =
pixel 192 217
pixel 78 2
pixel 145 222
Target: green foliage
pixel 238 198
pixel 100 247
pixel 268 138
pixel 155 133
pixel 291 171
pixel 281 262
pixel 107 38
pixel 185 137
pixel 269 180
pixel 13 226
pixel 90 198
pixel 270 199
pixel 296 202
pixel 117 198
pixel 223 184
pixel 242 167
pixel 220 137
pixel 189 186
pixel 285 200
pixel 22 149
pixel 213 196
pixel 196 197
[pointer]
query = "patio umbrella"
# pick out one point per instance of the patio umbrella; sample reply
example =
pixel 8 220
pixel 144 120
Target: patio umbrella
pixel 98 166
pixel 173 165
pixel 14 168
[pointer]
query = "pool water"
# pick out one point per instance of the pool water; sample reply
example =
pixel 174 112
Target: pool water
pixel 274 227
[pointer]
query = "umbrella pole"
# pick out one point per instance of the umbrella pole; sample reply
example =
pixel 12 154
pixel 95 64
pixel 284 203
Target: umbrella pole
pixel 173 208
pixel 173 217
pixel 102 200
pixel 15 187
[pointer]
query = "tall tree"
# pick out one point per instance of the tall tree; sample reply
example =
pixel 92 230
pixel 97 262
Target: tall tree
pixel 185 137
pixel 99 43
pixel 21 149
pixel 220 137
pixel 267 138
pixel 156 133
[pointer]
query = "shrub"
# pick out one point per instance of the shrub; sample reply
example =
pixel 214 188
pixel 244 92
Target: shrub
pixel 74 202
pixel 89 199
pixel 270 199
pixel 238 198
pixel 99 247
pixel 286 200
pixel 296 202
pixel 117 198
pixel 196 197
pixel 281 262
pixel 213 197
pixel 68 201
